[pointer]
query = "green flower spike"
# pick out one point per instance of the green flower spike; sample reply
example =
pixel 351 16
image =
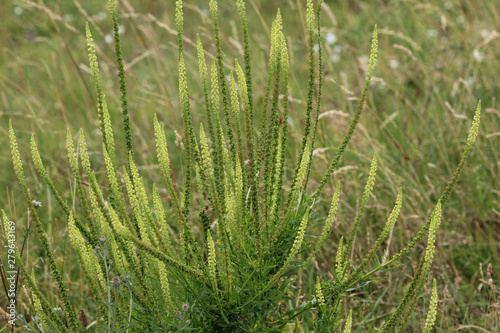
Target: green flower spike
pixel 319 293
pixel 121 74
pixel 212 264
pixel 431 315
pixel 348 324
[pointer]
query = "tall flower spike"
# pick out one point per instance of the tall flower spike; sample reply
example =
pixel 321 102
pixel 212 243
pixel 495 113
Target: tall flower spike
pixel 189 140
pixel 248 67
pixel 179 24
pixel 121 74
pixel 272 134
pixel 94 67
pixel 284 122
pixel 307 138
pixel 274 65
pixel 320 80
pixel 310 92
pixel 204 81
pixel 224 239
pixel 102 109
pixel 219 140
pixel 222 79
pixel 246 79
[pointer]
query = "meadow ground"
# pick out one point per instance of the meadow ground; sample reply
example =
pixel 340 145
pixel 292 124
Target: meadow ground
pixel 436 60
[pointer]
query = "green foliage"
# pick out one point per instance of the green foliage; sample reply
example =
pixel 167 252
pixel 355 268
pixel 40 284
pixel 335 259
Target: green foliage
pixel 235 271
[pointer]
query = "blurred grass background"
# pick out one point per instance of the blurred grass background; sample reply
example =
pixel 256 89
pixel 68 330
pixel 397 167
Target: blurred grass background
pixel 436 60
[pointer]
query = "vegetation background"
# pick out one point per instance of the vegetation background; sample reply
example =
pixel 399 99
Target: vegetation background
pixel 436 60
